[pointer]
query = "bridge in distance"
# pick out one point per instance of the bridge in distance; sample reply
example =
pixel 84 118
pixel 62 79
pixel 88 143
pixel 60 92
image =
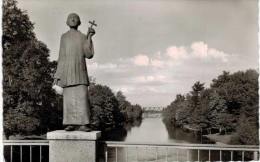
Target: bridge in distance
pixel 153 108
pixel 152 112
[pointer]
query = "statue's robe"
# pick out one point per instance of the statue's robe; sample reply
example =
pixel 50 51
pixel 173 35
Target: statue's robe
pixel 73 77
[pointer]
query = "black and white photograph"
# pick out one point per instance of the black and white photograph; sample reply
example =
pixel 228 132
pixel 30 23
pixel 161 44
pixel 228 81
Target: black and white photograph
pixel 130 80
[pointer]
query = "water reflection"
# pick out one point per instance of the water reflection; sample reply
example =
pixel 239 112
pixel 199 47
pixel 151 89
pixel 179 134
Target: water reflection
pixel 129 125
pixel 120 133
pixel 178 133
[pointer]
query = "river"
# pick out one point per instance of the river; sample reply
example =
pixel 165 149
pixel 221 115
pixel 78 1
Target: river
pixel 153 130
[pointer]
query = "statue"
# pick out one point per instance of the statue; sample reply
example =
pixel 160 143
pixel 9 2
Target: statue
pixel 72 75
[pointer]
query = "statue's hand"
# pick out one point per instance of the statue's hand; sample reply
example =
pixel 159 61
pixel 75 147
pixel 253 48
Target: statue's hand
pixel 55 81
pixel 58 89
pixel 91 32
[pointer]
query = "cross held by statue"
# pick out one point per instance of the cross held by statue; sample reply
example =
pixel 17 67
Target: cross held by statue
pixel 92 23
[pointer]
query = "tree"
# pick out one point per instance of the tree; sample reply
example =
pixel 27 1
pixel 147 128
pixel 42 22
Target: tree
pixel 217 106
pixel 134 112
pixel 27 76
pixel 195 103
pixel 123 103
pixel 16 25
pixel 137 111
pixel 231 103
pixel 248 131
pixel 179 98
pixel 130 112
pixel 182 113
pixel 221 79
pixel 197 89
pixel 27 88
pixel 177 112
pixel 104 107
pixel 239 89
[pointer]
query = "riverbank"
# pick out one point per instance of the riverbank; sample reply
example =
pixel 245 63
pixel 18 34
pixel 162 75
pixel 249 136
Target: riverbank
pixel 29 137
pixel 216 138
pixel 221 139
pixel 190 128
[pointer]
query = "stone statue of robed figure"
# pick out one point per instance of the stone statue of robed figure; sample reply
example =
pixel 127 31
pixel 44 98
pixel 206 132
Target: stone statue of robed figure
pixel 72 75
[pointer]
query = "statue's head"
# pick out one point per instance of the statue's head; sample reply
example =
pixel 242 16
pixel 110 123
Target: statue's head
pixel 73 20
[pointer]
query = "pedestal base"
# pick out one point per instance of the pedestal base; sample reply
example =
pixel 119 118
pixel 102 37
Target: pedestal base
pixel 74 146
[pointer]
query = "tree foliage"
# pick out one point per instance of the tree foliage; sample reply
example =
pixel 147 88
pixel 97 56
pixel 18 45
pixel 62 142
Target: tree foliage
pixel 231 104
pixel 16 24
pixel 105 110
pixel 109 110
pixel 27 76
pixel 130 112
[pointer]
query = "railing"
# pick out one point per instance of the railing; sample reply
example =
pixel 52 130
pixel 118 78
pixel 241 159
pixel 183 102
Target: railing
pixel 26 150
pixel 177 152
pixel 38 151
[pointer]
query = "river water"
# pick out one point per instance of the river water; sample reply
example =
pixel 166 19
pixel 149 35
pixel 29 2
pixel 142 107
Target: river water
pixel 153 130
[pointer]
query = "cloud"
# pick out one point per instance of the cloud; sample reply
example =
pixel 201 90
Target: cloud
pixel 176 53
pixel 198 49
pixel 218 54
pixel 106 66
pixel 150 78
pixel 201 50
pixel 157 63
pixel 126 89
pixel 172 57
pixel 141 60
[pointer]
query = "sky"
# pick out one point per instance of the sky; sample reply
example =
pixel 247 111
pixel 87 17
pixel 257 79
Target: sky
pixel 152 50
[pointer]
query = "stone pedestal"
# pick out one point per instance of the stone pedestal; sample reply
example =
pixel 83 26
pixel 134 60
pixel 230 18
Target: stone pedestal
pixel 74 146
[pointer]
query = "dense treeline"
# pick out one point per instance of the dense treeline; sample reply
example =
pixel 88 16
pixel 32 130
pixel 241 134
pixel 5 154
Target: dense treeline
pixel 110 110
pixel 130 112
pixel 30 106
pixel 230 105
